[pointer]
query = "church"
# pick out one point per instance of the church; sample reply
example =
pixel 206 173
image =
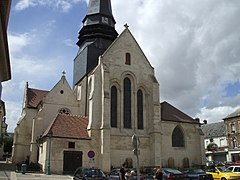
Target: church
pixel 115 95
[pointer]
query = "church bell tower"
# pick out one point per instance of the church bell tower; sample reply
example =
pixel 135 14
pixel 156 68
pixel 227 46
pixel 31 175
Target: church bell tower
pixel 96 35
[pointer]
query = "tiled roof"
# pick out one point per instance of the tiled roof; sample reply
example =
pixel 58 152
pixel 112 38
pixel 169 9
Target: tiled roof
pixel 214 130
pixel 233 115
pixel 34 96
pixel 69 126
pixel 170 113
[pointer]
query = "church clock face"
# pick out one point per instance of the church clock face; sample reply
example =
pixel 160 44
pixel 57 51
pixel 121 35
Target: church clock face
pixel 105 20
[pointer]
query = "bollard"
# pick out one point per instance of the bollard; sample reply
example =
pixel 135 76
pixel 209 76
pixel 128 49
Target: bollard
pixel 24 168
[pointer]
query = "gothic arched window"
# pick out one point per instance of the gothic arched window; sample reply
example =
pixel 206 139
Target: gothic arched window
pixel 177 137
pixel 127 104
pixel 113 106
pixel 140 109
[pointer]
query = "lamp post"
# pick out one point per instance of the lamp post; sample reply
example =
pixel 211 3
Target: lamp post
pixel 50 133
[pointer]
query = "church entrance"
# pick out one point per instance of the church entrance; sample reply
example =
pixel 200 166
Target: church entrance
pixel 71 161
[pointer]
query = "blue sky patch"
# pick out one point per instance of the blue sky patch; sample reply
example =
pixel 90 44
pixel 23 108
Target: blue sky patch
pixel 232 89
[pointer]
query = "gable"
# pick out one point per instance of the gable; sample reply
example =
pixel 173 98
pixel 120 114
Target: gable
pixel 115 55
pixel 61 93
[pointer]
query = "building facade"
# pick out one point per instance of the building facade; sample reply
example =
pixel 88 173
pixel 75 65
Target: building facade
pixel 232 123
pixel 216 133
pixel 5 69
pixel 115 95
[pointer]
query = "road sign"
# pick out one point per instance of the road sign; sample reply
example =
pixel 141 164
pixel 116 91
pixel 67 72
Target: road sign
pixel 91 154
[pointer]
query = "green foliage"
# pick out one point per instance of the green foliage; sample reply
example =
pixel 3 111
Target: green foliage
pixel 212 146
pixel 8 143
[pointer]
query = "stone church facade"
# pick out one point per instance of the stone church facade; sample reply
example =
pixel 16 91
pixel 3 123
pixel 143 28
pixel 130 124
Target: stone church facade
pixel 115 96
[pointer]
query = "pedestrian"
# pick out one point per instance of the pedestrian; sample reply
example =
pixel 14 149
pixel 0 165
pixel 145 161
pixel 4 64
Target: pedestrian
pixel 159 174
pixel 122 172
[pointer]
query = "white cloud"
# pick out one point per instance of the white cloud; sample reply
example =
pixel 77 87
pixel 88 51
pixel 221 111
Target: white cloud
pixel 193 46
pixel 13 113
pixel 18 41
pixel 63 5
pixel 31 66
pixel 215 114
pixel 69 42
pixel 23 4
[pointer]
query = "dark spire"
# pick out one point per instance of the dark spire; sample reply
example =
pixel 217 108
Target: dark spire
pixel 96 35
pixel 102 7
pixel 98 22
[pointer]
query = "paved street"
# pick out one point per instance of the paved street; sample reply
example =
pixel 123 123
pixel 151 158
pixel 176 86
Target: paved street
pixel 4 175
pixel 28 176
pixel 7 172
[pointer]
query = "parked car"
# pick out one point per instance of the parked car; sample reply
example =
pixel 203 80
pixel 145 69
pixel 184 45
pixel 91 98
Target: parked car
pixel 222 173
pixel 114 174
pixel 88 174
pixel 235 169
pixel 214 163
pixel 171 173
pixel 229 163
pixel 197 174
pixel 237 163
pixel 131 174
pixel 149 172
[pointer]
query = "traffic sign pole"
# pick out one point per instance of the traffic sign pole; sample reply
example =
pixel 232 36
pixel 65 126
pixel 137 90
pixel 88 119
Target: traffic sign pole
pixel 136 144
pixel 91 155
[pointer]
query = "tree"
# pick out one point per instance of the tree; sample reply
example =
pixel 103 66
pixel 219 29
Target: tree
pixel 8 143
pixel 212 146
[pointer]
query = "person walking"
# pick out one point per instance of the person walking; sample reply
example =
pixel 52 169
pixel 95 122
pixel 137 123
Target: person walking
pixel 159 174
pixel 122 172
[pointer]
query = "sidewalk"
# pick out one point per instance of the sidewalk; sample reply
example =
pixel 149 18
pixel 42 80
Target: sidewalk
pixel 38 176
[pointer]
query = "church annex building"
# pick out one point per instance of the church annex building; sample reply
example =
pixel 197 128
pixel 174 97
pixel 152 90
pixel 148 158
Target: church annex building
pixel 115 96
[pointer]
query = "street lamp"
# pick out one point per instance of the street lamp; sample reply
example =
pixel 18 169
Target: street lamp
pixel 50 133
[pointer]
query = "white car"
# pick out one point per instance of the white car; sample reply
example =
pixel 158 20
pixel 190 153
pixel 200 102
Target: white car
pixel 235 169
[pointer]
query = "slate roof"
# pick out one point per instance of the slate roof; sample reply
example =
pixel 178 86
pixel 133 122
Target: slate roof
pixel 214 130
pixel 170 113
pixel 233 115
pixel 68 126
pixel 34 97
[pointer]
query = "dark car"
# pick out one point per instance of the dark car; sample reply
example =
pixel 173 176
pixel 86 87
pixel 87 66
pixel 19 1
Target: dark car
pixel 197 174
pixel 88 174
pixel 171 173
pixel 114 174
pixel 131 174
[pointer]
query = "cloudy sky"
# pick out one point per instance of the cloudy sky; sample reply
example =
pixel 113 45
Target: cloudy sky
pixel 194 46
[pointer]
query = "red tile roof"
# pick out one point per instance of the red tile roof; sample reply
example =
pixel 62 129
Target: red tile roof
pixel 34 97
pixel 170 113
pixel 68 126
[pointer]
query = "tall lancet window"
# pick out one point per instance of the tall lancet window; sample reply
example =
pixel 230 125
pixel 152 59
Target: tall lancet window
pixel 128 59
pixel 113 106
pixel 140 109
pixel 127 103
